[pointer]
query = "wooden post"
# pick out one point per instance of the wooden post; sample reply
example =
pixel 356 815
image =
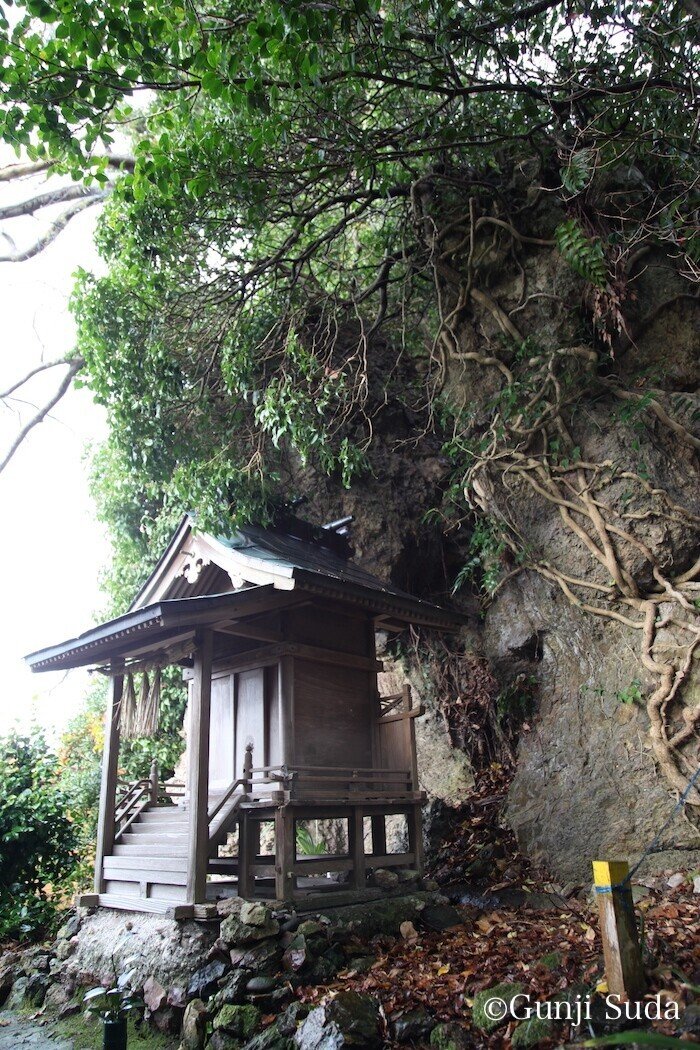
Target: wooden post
pixel 285 853
pixel 410 729
pixel 379 836
pixel 623 959
pixel 245 857
pixel 108 786
pixel 356 837
pixel 153 778
pixel 414 819
pixel 198 831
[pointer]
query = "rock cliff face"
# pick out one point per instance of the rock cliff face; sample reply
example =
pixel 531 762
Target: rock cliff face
pixel 592 545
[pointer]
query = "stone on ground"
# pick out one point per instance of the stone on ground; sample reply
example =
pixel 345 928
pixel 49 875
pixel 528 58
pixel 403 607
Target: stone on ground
pixel 349 1019
pixel 505 991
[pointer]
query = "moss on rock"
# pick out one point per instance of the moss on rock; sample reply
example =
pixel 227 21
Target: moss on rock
pixel 505 991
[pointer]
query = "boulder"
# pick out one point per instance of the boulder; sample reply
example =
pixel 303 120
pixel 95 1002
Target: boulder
pixel 531 1032
pixel 408 877
pixel 297 954
pixel 450 1036
pixel 177 996
pixel 440 917
pixel 260 985
pixel 167 1020
pixel 154 994
pixel 194 1025
pixel 70 928
pixel 348 1019
pixel 289 1021
pixel 239 1021
pixel 412 1027
pixel 237 932
pixel 229 906
pixel 481 1014
pixel 7 978
pixel 205 981
pixel 255 913
pixel 690 1020
pixel 385 879
pixel 264 957
pixel 270 1039
pixel 222 1041
pixel 233 991
pixel 37 987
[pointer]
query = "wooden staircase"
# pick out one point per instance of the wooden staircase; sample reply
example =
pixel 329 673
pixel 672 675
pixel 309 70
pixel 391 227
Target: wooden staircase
pixel 148 866
pixel 147 869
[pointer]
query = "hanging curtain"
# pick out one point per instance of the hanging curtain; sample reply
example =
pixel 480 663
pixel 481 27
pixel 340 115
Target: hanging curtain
pixel 149 705
pixel 128 713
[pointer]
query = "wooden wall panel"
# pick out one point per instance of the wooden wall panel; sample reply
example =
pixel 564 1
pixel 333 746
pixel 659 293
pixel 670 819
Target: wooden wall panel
pixel 250 717
pixel 221 753
pixel 328 628
pixel 332 715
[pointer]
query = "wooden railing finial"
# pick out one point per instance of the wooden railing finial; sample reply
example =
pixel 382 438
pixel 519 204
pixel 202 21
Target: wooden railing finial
pixel 248 768
pixel 153 778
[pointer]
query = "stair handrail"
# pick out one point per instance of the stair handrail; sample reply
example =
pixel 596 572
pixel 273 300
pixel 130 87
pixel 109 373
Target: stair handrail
pixel 244 783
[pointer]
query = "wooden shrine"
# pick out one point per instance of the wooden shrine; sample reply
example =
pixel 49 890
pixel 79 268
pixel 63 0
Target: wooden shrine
pixel 274 630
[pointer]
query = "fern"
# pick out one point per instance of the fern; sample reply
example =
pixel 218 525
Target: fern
pixel 583 255
pixel 577 173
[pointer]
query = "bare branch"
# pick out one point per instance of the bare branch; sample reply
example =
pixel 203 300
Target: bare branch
pixel 23 170
pixel 42 413
pixel 47 200
pixel 43 367
pixel 54 230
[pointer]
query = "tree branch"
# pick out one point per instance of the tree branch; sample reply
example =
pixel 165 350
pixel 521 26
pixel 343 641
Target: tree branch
pixel 47 200
pixel 42 413
pixel 53 231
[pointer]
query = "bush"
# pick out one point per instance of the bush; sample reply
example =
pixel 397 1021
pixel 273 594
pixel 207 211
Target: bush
pixel 37 837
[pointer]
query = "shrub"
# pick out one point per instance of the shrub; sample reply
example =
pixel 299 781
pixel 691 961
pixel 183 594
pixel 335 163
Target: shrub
pixel 37 838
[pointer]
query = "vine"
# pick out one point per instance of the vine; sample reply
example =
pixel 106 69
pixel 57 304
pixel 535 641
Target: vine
pixel 526 445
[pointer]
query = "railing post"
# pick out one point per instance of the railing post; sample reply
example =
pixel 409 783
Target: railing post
pixel 248 769
pixel 154 781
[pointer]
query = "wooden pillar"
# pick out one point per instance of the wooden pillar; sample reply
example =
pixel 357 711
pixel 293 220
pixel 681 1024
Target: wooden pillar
pixel 246 857
pixel 356 836
pixel 623 958
pixel 285 853
pixel 108 786
pixel 410 728
pixel 379 836
pixel 285 689
pixel 414 818
pixel 198 831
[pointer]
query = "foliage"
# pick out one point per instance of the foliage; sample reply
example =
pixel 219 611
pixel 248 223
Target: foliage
pixel 37 837
pixel 116 1003
pixel 307 846
pixel 584 255
pixel 484 564
pixel 631 694
pixel 266 237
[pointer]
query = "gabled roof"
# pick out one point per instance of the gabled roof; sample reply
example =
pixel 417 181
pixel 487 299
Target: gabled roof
pixel 248 572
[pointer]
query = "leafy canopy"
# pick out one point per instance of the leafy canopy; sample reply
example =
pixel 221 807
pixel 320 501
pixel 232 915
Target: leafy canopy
pixel 270 257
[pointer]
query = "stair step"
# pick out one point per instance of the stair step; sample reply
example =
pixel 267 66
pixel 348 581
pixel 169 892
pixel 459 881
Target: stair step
pixel 154 827
pixel 131 863
pixel 147 849
pixel 155 837
pixel 164 813
pixel 148 904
